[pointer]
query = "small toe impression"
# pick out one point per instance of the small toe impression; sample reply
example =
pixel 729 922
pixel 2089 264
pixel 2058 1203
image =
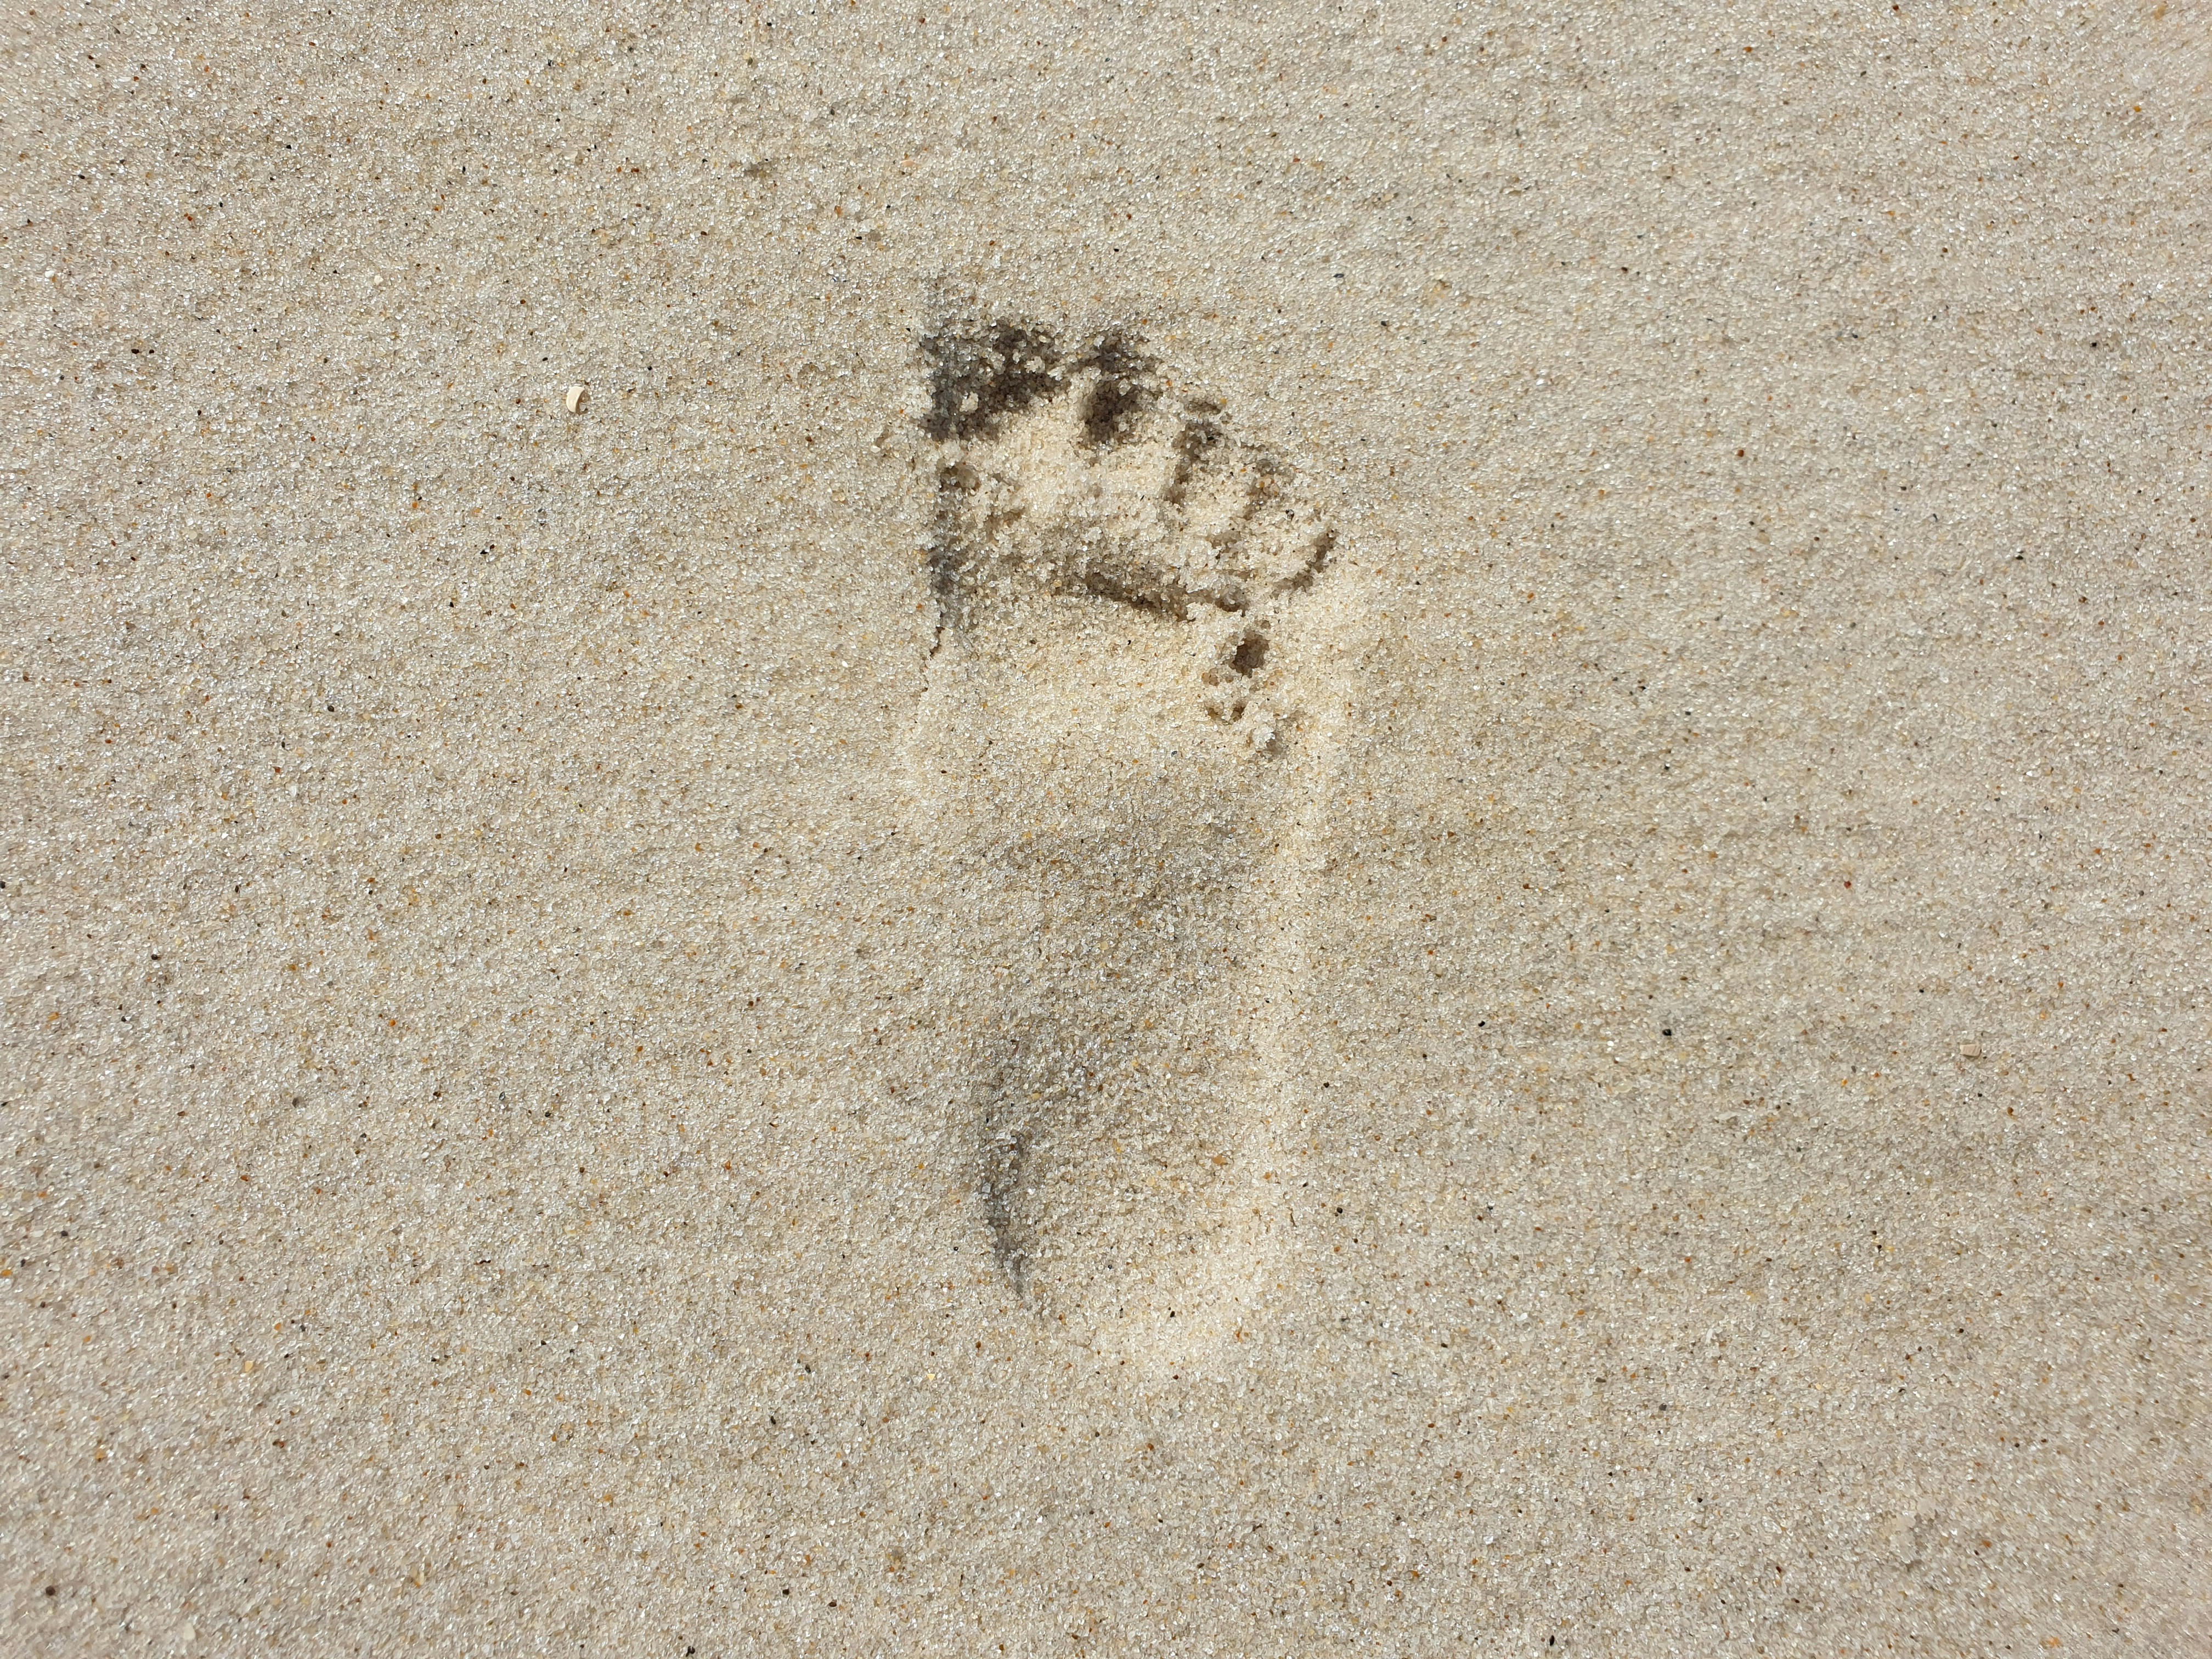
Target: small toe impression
pixel 1066 466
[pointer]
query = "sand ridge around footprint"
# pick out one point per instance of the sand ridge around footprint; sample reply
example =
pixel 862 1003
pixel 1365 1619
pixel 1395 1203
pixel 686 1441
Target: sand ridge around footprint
pixel 1116 768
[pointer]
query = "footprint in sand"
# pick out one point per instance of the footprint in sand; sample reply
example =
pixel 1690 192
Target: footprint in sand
pixel 1123 744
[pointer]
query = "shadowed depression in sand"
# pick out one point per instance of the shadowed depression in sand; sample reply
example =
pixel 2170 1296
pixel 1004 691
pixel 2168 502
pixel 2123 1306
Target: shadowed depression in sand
pixel 1129 705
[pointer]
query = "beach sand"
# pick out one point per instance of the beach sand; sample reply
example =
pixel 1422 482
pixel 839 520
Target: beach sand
pixel 1301 831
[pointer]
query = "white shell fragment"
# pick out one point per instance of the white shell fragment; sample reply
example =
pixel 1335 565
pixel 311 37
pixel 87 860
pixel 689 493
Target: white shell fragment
pixel 574 400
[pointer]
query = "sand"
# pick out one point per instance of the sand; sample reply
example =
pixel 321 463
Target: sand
pixel 1312 832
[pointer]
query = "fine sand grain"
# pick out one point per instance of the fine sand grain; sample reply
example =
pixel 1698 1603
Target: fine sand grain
pixel 1367 830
